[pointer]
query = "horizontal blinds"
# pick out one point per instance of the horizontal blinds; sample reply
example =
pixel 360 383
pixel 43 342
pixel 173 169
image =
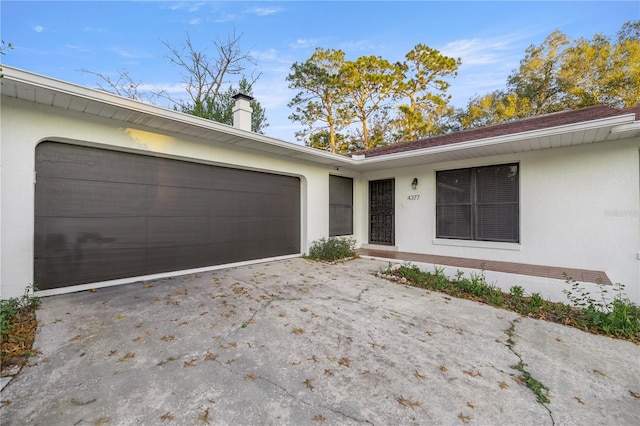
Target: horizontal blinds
pixel 479 203
pixel 340 206
pixel 497 203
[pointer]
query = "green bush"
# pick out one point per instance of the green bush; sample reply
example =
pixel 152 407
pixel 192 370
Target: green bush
pixel 9 308
pixel 332 249
pixel 618 316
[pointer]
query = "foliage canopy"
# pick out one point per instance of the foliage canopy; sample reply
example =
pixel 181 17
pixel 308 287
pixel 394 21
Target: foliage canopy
pixel 350 105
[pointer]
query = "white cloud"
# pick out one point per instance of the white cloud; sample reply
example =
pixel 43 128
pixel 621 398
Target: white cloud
pixel 38 28
pixel 349 47
pixel 303 43
pixel 189 6
pixel 478 51
pixel 263 11
pixel 129 54
pixel 76 48
pixel 92 30
pixel 272 55
pixel 195 21
pixel 225 18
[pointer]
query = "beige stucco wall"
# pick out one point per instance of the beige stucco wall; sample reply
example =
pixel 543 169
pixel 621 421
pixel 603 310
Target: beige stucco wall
pixel 25 124
pixel 579 208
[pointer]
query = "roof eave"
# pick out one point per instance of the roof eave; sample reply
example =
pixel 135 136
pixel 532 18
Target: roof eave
pixel 624 123
pixel 248 139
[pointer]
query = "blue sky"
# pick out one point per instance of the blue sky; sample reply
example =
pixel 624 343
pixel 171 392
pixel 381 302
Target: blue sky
pixel 58 38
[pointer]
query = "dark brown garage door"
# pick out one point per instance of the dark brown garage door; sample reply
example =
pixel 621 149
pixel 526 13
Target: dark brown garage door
pixel 102 215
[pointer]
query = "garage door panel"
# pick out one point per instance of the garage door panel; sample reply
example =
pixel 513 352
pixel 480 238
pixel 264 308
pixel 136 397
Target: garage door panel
pixel 177 257
pixel 69 271
pixel 176 231
pixel 104 215
pixel 67 197
pixel 179 202
pixel 64 236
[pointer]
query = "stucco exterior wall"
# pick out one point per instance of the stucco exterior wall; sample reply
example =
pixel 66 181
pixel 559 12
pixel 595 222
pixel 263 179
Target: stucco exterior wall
pixel 25 124
pixel 579 208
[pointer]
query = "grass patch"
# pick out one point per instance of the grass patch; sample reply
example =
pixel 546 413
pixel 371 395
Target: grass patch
pixel 616 317
pixel 332 249
pixel 537 387
pixel 17 328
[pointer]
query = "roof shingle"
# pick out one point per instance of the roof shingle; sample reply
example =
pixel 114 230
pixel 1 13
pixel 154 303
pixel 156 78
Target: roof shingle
pixel 514 127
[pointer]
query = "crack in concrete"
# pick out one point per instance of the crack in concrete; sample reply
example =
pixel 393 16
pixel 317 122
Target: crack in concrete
pixel 303 401
pixel 511 332
pixel 333 410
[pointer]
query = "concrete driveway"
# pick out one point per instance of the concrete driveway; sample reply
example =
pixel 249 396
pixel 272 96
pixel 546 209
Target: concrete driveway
pixel 299 342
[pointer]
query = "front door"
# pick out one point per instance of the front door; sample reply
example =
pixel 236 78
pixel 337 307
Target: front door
pixel 382 212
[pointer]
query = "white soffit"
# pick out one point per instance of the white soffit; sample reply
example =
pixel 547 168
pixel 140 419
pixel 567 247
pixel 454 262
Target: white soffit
pixel 46 91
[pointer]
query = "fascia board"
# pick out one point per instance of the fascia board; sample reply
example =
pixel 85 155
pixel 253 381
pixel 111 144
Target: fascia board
pixel 514 137
pixel 37 80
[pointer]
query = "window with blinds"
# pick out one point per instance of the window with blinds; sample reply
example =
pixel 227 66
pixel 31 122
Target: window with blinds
pixel 479 203
pixel 340 206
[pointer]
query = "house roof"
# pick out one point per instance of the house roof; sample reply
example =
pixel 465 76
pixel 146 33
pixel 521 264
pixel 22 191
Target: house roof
pixel 47 91
pixel 545 121
pixel 588 125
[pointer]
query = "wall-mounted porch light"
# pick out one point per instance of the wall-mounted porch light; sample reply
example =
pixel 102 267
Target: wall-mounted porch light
pixel 414 183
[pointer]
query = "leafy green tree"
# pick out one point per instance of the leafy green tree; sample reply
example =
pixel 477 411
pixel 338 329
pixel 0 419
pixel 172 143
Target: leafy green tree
pixel 423 84
pixel 368 83
pixel 492 108
pixel 599 71
pixel 626 63
pixel 561 74
pixel 319 104
pixel 322 140
pixel 587 72
pixel 537 78
pixel 220 109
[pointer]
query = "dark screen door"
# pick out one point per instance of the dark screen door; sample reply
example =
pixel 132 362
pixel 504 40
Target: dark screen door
pixel 382 212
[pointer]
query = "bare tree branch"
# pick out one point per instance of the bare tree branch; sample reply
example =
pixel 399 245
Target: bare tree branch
pixel 124 85
pixel 204 75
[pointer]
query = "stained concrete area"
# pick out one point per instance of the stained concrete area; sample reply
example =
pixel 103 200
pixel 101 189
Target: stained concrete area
pixel 300 342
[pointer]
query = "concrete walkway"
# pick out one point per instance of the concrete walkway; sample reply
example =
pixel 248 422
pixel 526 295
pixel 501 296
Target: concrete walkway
pixel 544 271
pixel 300 342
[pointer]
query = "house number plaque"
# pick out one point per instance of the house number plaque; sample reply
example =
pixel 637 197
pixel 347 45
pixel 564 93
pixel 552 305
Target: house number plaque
pixel 413 197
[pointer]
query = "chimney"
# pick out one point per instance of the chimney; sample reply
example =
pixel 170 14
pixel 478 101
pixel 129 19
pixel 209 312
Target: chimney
pixel 242 112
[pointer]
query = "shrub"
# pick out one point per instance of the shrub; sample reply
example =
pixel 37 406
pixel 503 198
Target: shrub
pixel 332 249
pixel 618 317
pixel 9 308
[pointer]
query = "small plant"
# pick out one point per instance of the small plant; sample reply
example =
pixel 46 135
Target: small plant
pixel 387 271
pixel 413 273
pixel 17 328
pixel 496 297
pixel 535 385
pixel 619 316
pixel 332 249
pixel 536 300
pixel 516 291
pixel 9 308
